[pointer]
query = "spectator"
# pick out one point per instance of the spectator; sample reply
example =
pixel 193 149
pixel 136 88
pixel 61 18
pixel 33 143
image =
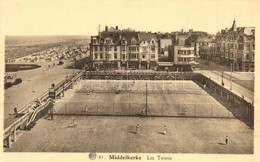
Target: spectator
pixel 15 112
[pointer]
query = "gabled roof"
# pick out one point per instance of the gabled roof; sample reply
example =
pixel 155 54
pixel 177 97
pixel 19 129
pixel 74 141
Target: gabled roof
pixel 147 36
pixel 128 35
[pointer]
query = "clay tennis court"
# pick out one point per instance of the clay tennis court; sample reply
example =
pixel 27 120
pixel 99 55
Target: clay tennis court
pixel 103 129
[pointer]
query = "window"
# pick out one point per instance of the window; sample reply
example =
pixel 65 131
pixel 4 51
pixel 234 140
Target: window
pixel 133 41
pixel 115 55
pixel 100 48
pixel 94 41
pixel 133 56
pixel 247 57
pixel 101 56
pixel 108 56
pixel 123 48
pixel 108 41
pixel 132 48
pixel 153 48
pixel 240 47
pixel 96 56
pixel 143 56
pixel 248 47
pixel 123 42
pixel 115 48
pixel 108 49
pixel 153 56
pixel 123 56
pixel 95 48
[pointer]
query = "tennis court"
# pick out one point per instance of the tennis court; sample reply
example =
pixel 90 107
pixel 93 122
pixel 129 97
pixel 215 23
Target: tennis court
pixel 131 98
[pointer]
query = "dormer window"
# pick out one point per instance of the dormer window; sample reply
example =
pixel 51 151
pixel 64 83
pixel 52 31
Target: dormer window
pixel 108 41
pixel 123 42
pixel 133 41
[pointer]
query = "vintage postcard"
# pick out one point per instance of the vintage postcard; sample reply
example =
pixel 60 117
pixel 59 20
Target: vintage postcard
pixel 134 80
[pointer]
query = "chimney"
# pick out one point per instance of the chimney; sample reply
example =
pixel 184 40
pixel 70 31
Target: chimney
pixel 106 28
pixel 116 27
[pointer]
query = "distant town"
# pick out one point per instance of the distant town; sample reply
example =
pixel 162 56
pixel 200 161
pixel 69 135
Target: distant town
pixel 176 51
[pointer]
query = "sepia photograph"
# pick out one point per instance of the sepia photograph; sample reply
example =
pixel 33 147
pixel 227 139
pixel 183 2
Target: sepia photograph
pixel 129 80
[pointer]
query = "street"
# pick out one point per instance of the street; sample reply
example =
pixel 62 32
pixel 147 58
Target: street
pixel 214 71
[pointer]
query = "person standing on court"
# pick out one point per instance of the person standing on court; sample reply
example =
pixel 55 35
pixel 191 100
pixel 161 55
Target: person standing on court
pixel 164 130
pixel 137 128
pixel 226 140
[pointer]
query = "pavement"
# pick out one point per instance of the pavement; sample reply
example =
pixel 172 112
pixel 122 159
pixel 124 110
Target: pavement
pixel 235 88
pixel 214 71
pixel 118 134
pixel 35 83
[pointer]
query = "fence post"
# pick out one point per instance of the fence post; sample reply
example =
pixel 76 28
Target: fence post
pixel 178 110
pixel 113 108
pixel 162 109
pixel 195 110
pixel 129 108
pixel 97 108
pixel 65 108
pixel 211 110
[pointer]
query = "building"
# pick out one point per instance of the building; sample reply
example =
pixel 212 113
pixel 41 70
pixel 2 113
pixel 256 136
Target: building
pixel 207 48
pixel 235 48
pixel 163 44
pixel 124 49
pixel 181 54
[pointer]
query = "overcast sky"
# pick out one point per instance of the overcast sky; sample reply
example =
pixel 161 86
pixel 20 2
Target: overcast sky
pixel 74 17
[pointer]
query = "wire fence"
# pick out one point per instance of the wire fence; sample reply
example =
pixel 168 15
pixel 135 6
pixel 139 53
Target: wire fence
pixel 141 109
pixel 152 87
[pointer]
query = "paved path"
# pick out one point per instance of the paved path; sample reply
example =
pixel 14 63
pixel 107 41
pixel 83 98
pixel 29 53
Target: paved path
pixel 35 83
pixel 237 89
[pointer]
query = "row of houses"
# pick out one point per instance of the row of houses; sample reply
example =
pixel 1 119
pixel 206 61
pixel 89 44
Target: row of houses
pixel 233 48
pixel 130 49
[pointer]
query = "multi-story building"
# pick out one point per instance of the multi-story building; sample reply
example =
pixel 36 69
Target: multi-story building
pixel 181 54
pixel 235 47
pixel 116 49
pixel 207 48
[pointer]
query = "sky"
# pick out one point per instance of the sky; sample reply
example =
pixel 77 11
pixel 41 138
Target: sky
pixel 82 17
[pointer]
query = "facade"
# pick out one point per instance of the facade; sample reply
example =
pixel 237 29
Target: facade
pixel 126 49
pixel 235 48
pixel 181 54
pixel 164 43
pixel 207 48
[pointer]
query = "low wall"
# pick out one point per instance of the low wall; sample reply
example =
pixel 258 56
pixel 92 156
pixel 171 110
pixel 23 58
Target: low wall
pixel 241 109
pixel 17 67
